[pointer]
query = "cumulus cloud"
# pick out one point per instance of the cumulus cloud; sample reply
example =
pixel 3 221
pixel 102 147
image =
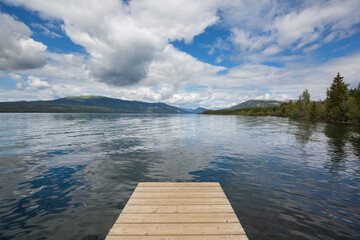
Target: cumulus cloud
pixel 179 69
pixel 123 39
pixel 17 50
pixel 34 84
pixel 31 83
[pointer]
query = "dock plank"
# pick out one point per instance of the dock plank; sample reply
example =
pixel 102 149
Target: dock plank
pixel 179 184
pixel 178 229
pixel 178 218
pixel 178 195
pixel 178 189
pixel 178 201
pixel 177 211
pixel 192 237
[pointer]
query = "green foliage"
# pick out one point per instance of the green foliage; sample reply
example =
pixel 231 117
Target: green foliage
pixel 336 97
pixel 304 98
pixel 340 105
pixel 355 94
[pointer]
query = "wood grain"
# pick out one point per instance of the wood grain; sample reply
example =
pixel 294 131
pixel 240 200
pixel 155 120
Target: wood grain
pixel 177 211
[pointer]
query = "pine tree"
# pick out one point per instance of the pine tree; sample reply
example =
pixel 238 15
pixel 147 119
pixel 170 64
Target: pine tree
pixel 335 97
pixel 305 97
pixel 303 104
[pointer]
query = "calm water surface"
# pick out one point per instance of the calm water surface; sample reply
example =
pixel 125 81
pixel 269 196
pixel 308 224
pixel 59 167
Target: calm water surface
pixel 68 176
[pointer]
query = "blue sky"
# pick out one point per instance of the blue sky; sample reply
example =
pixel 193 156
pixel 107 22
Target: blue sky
pixel 185 53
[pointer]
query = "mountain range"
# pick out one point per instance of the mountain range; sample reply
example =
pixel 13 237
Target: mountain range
pixel 92 104
pixel 256 103
pixel 195 110
pixel 100 104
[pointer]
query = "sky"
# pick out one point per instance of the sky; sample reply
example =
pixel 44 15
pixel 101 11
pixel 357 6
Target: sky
pixel 186 53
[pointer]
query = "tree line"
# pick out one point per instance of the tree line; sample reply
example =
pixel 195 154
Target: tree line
pixel 342 104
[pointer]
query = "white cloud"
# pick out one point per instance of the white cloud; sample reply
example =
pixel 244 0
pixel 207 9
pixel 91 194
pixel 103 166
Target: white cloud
pixel 31 83
pixel 16 77
pixel 274 49
pixel 44 30
pixel 313 22
pixel 311 48
pixel 123 39
pixel 268 27
pixel 179 69
pixel 218 60
pixel 252 15
pixel 35 84
pixel 211 51
pixel 293 79
pixel 246 41
pixel 17 50
pixel 274 96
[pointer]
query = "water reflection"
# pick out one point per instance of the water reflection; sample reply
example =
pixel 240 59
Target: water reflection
pixel 337 139
pixel 304 132
pixel 355 140
pixel 68 176
pixel 342 141
pixel 47 193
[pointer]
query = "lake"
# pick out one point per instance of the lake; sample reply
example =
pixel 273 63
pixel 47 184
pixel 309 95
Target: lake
pixel 68 176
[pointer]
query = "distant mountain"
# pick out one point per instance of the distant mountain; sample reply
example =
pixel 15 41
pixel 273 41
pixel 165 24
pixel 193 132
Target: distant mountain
pixel 199 110
pixel 89 104
pixel 194 110
pixel 256 103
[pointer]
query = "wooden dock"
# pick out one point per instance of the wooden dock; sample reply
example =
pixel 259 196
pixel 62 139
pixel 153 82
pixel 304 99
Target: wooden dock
pixel 177 211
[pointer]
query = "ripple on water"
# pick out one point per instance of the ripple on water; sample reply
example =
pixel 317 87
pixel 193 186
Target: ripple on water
pixel 67 176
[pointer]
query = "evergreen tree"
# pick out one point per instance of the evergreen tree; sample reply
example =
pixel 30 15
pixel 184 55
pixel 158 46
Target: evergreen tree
pixel 305 97
pixel 357 95
pixel 303 104
pixel 353 105
pixel 335 97
pixel 313 111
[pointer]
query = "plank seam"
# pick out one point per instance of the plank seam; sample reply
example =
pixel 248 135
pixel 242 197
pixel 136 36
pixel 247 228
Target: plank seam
pixel 177 198
pixel 169 204
pixel 173 223
pixel 184 213
pixel 174 235
pixel 192 223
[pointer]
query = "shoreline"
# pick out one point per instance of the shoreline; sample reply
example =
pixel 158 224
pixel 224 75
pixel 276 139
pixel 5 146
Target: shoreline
pixel 300 119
